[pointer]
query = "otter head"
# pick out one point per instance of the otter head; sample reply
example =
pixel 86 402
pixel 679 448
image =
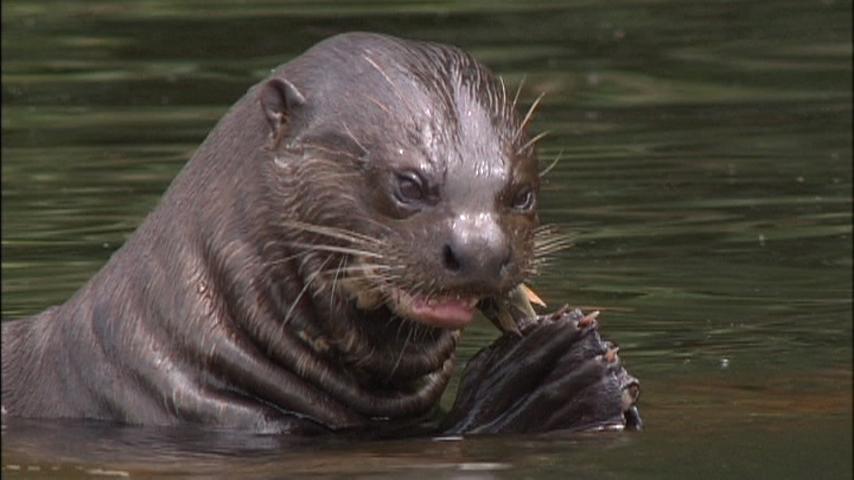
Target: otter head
pixel 416 178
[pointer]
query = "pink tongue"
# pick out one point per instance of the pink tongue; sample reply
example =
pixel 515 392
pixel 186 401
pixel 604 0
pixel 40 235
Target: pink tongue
pixel 443 314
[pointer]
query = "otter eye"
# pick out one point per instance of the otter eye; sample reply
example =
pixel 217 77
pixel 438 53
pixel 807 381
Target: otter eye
pixel 410 188
pixel 524 199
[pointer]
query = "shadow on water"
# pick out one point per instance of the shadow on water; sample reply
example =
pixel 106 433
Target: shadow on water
pixel 705 175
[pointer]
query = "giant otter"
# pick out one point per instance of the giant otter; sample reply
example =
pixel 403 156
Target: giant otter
pixel 311 268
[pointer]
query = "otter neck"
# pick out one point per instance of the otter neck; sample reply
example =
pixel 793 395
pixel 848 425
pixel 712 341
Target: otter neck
pixel 379 346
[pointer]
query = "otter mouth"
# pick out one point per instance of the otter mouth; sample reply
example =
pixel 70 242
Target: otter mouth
pixel 444 309
pixel 441 311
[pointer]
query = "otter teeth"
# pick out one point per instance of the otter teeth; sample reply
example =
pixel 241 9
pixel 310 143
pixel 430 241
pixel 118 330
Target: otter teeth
pixel 469 302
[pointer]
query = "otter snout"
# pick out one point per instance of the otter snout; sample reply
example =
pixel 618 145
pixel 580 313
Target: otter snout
pixel 477 253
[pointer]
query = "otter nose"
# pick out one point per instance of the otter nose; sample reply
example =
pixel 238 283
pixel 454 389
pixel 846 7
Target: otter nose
pixel 477 252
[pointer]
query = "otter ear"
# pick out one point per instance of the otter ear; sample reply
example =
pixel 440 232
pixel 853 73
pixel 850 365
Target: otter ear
pixel 279 98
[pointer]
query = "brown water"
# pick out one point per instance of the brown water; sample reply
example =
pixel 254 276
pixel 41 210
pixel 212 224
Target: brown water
pixel 706 173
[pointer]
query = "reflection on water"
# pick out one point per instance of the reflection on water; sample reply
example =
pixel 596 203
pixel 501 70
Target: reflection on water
pixel 705 173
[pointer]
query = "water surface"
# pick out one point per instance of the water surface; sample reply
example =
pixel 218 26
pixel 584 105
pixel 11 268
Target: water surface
pixel 705 172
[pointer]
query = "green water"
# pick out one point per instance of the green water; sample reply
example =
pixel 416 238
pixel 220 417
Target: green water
pixel 706 174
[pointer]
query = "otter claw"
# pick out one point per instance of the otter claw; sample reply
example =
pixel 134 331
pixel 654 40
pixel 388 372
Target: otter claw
pixel 611 354
pixel 560 312
pixel 588 319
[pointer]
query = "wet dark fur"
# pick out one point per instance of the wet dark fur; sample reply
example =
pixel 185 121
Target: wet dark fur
pixel 224 309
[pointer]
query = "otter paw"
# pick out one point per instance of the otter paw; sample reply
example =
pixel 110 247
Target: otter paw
pixel 559 375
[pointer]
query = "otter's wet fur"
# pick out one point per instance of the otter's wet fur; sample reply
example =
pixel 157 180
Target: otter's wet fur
pixel 280 284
